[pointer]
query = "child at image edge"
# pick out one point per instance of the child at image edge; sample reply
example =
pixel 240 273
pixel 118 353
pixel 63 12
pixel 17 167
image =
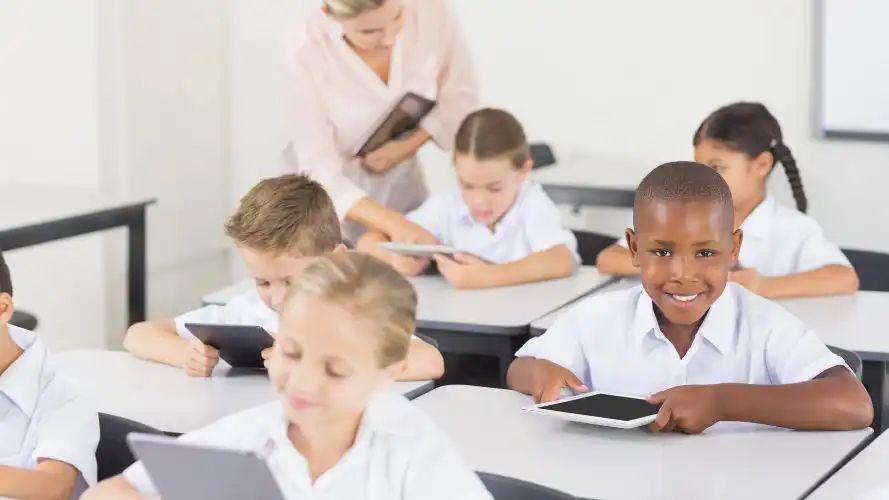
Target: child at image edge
pixel 281 224
pixel 510 230
pixel 709 351
pixel 785 252
pixel 338 431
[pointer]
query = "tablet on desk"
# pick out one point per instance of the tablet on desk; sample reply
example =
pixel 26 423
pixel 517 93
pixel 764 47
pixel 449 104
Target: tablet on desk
pixel 423 251
pixel 599 408
pixel 181 471
pixel 240 346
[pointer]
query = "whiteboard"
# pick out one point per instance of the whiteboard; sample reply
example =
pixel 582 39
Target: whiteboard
pixel 852 68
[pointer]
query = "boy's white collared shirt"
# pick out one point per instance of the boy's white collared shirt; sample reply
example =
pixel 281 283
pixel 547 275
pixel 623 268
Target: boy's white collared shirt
pixel 779 241
pixel 42 417
pixel 533 224
pixel 612 342
pixel 398 454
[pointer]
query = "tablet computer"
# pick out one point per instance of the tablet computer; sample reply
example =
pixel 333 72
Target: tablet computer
pixel 402 119
pixel 423 251
pixel 599 408
pixel 240 346
pixel 183 471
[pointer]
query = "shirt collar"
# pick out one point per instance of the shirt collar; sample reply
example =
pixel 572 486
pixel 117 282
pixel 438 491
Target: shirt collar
pixel 718 327
pixel 465 217
pixel 21 382
pixel 759 222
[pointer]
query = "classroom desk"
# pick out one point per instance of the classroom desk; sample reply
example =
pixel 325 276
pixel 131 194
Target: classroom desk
pixel 495 436
pixel 41 214
pixel 493 322
pixel 867 471
pixel 166 398
pixel 852 322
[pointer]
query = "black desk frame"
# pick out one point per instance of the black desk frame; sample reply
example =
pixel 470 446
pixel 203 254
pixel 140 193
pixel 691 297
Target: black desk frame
pixel 132 216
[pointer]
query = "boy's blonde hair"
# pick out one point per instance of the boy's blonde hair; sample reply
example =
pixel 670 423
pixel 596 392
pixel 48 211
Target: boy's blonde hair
pixel 349 9
pixel 288 214
pixel 372 291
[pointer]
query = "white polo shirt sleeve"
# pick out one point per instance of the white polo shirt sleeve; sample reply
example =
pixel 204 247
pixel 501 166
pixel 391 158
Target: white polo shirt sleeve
pixel 214 314
pixel 68 431
pixel 795 354
pixel 817 251
pixel 561 344
pixel 543 223
pixel 432 215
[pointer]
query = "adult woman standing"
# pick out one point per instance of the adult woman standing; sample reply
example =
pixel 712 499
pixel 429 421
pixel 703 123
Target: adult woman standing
pixel 351 61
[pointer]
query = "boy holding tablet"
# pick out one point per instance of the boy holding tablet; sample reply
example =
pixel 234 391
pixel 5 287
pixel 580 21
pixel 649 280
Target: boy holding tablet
pixel 280 225
pixel 48 432
pixel 707 351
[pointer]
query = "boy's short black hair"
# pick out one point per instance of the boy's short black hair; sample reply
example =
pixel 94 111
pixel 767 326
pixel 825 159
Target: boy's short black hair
pixel 5 277
pixel 684 181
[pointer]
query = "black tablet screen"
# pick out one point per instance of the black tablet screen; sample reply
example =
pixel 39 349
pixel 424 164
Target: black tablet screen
pixel 607 406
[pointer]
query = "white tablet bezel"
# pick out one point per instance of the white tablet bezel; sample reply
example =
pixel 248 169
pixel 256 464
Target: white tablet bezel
pixel 541 409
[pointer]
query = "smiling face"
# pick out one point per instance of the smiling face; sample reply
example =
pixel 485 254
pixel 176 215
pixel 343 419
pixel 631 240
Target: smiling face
pixel 489 187
pixel 684 250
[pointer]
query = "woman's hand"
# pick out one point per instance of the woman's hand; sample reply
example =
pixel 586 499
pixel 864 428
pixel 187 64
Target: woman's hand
pixel 387 156
pixel 408 232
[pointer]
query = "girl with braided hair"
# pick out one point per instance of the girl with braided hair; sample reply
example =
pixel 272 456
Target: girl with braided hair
pixel 784 252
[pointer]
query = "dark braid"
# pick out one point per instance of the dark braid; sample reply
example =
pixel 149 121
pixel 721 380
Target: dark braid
pixel 783 155
pixel 750 128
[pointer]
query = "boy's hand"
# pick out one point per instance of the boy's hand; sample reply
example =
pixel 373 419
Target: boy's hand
pixel 553 378
pixel 464 270
pixel 747 277
pixel 688 408
pixel 200 359
pixel 266 357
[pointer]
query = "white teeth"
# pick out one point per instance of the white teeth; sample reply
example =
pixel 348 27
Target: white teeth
pixel 685 298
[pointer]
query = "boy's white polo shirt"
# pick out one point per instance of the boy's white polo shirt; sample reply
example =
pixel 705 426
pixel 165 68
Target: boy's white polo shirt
pixel 398 454
pixel 612 343
pixel 533 224
pixel 42 417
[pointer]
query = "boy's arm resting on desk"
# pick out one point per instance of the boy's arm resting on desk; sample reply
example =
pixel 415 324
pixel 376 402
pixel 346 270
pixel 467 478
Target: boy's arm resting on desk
pixel 616 260
pixel 832 279
pixel 424 362
pixel 51 480
pixel 157 340
pixel 115 488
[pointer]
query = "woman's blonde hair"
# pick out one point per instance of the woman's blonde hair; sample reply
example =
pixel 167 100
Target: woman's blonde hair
pixel 372 291
pixel 348 9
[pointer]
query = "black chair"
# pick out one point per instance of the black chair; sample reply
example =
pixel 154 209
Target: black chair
pixel 872 269
pixel 429 340
pixel 590 244
pixel 507 488
pixel 24 319
pixel 852 359
pixel 113 455
pixel 542 154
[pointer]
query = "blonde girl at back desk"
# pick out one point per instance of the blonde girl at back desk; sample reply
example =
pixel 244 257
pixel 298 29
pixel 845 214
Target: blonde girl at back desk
pixel 351 61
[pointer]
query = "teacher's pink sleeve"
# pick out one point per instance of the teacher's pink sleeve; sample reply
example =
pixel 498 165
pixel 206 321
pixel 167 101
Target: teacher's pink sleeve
pixel 457 84
pixel 313 145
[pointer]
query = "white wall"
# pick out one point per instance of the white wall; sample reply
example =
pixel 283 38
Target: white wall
pixel 628 81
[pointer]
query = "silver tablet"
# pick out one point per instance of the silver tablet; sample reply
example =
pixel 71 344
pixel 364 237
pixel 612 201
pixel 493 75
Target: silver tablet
pixel 600 408
pixel 423 251
pixel 183 471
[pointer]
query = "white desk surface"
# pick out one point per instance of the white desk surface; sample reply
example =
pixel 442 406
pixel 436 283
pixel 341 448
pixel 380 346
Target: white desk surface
pixel 497 310
pixel 26 205
pixel 495 436
pixel 543 323
pixel 503 311
pixel 869 470
pixel 166 398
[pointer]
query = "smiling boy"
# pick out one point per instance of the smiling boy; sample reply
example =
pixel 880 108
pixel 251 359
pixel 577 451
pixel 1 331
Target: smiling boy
pixel 708 351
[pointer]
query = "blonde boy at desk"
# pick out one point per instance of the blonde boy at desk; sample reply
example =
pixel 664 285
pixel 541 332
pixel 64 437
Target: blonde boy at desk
pixel 338 431
pixel 48 432
pixel 708 351
pixel 281 224
pixel 498 216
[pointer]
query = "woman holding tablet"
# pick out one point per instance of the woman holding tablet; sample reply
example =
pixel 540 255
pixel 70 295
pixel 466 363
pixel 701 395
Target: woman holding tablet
pixel 352 61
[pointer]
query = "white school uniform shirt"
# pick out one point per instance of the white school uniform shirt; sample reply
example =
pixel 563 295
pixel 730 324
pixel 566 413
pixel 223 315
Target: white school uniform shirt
pixel 533 224
pixel 399 454
pixel 612 342
pixel 779 241
pixel 42 417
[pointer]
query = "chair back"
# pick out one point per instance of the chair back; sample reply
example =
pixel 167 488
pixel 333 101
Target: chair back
pixel 507 488
pixel 872 269
pixel 851 358
pixel 590 244
pixel 113 455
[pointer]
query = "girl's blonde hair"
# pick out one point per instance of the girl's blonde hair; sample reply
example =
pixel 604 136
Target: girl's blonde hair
pixel 372 291
pixel 348 9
